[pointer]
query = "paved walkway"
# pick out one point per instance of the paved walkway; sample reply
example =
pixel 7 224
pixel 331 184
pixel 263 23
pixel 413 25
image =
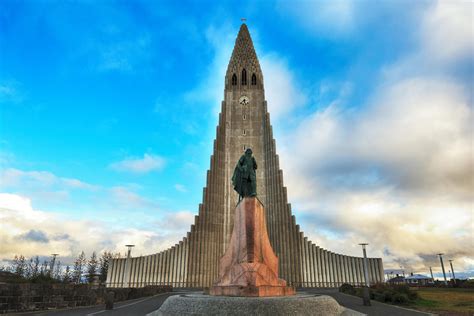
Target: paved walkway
pixel 355 303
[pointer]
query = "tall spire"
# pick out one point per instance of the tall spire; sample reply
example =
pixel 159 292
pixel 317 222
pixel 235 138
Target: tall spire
pixel 244 56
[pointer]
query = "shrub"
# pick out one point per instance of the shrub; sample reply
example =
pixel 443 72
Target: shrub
pixel 467 284
pixel 382 292
pixel 388 296
pixel 358 292
pixel 43 279
pixel 405 289
pixel 413 295
pixel 401 288
pixel 391 293
pixel 377 296
pixel 347 288
pixel 399 298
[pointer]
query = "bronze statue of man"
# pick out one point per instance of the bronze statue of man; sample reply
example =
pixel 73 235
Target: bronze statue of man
pixel 244 179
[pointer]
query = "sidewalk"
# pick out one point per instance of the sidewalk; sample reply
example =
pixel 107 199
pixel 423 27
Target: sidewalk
pixel 355 303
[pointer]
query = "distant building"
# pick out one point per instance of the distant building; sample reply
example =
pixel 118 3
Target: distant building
pixel 413 279
pixel 399 279
pixel 418 279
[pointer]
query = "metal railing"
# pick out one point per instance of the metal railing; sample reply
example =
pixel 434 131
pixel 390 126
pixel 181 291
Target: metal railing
pixel 143 284
pixel 196 285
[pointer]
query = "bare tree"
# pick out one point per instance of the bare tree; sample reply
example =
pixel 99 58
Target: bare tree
pixel 34 267
pixel 44 268
pixel 19 265
pixel 67 278
pixel 52 266
pixel 79 268
pixel 29 268
pixel 57 271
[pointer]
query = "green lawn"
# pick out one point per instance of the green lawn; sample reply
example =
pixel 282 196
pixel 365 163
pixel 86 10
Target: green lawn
pixel 445 301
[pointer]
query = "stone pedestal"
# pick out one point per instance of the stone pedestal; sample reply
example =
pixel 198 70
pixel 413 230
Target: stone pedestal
pixel 300 304
pixel 249 266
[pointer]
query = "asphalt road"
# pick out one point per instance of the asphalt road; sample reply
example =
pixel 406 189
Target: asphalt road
pixel 143 306
pixel 139 307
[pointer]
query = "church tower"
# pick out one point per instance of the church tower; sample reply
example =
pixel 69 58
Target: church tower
pixel 247 125
pixel 244 108
pixel 244 122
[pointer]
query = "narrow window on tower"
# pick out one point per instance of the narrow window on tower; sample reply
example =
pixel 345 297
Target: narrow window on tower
pixel 244 132
pixel 234 80
pixel 244 77
pixel 245 117
pixel 254 80
pixel 244 147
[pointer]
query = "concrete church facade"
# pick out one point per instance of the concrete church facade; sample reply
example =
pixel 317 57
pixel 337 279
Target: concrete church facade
pixel 244 122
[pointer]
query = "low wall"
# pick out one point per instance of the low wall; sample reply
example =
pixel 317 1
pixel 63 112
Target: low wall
pixel 31 297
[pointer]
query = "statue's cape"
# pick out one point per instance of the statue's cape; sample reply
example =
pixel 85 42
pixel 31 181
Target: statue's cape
pixel 237 179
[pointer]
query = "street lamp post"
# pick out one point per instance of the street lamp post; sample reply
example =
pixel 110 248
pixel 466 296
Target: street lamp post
pixel 452 271
pixel 442 267
pixel 129 252
pixel 126 276
pixel 431 271
pixel 366 293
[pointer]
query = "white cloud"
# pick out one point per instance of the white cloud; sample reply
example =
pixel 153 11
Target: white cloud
pixel 16 202
pixel 211 86
pixel 5 157
pixel 392 168
pixel 395 168
pixel 15 178
pixel 401 164
pixel 445 42
pixel 418 126
pixel 77 184
pixel 139 165
pixel 74 196
pixel 126 199
pixel 180 188
pixel 25 230
pixel 447 31
pixel 281 94
pixel 11 91
pixel 331 18
pixel 180 221
pixel 123 55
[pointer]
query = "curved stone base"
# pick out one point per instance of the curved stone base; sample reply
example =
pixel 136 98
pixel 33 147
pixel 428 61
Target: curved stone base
pixel 252 291
pixel 300 304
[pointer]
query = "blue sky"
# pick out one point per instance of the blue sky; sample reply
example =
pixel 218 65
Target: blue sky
pixel 108 113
